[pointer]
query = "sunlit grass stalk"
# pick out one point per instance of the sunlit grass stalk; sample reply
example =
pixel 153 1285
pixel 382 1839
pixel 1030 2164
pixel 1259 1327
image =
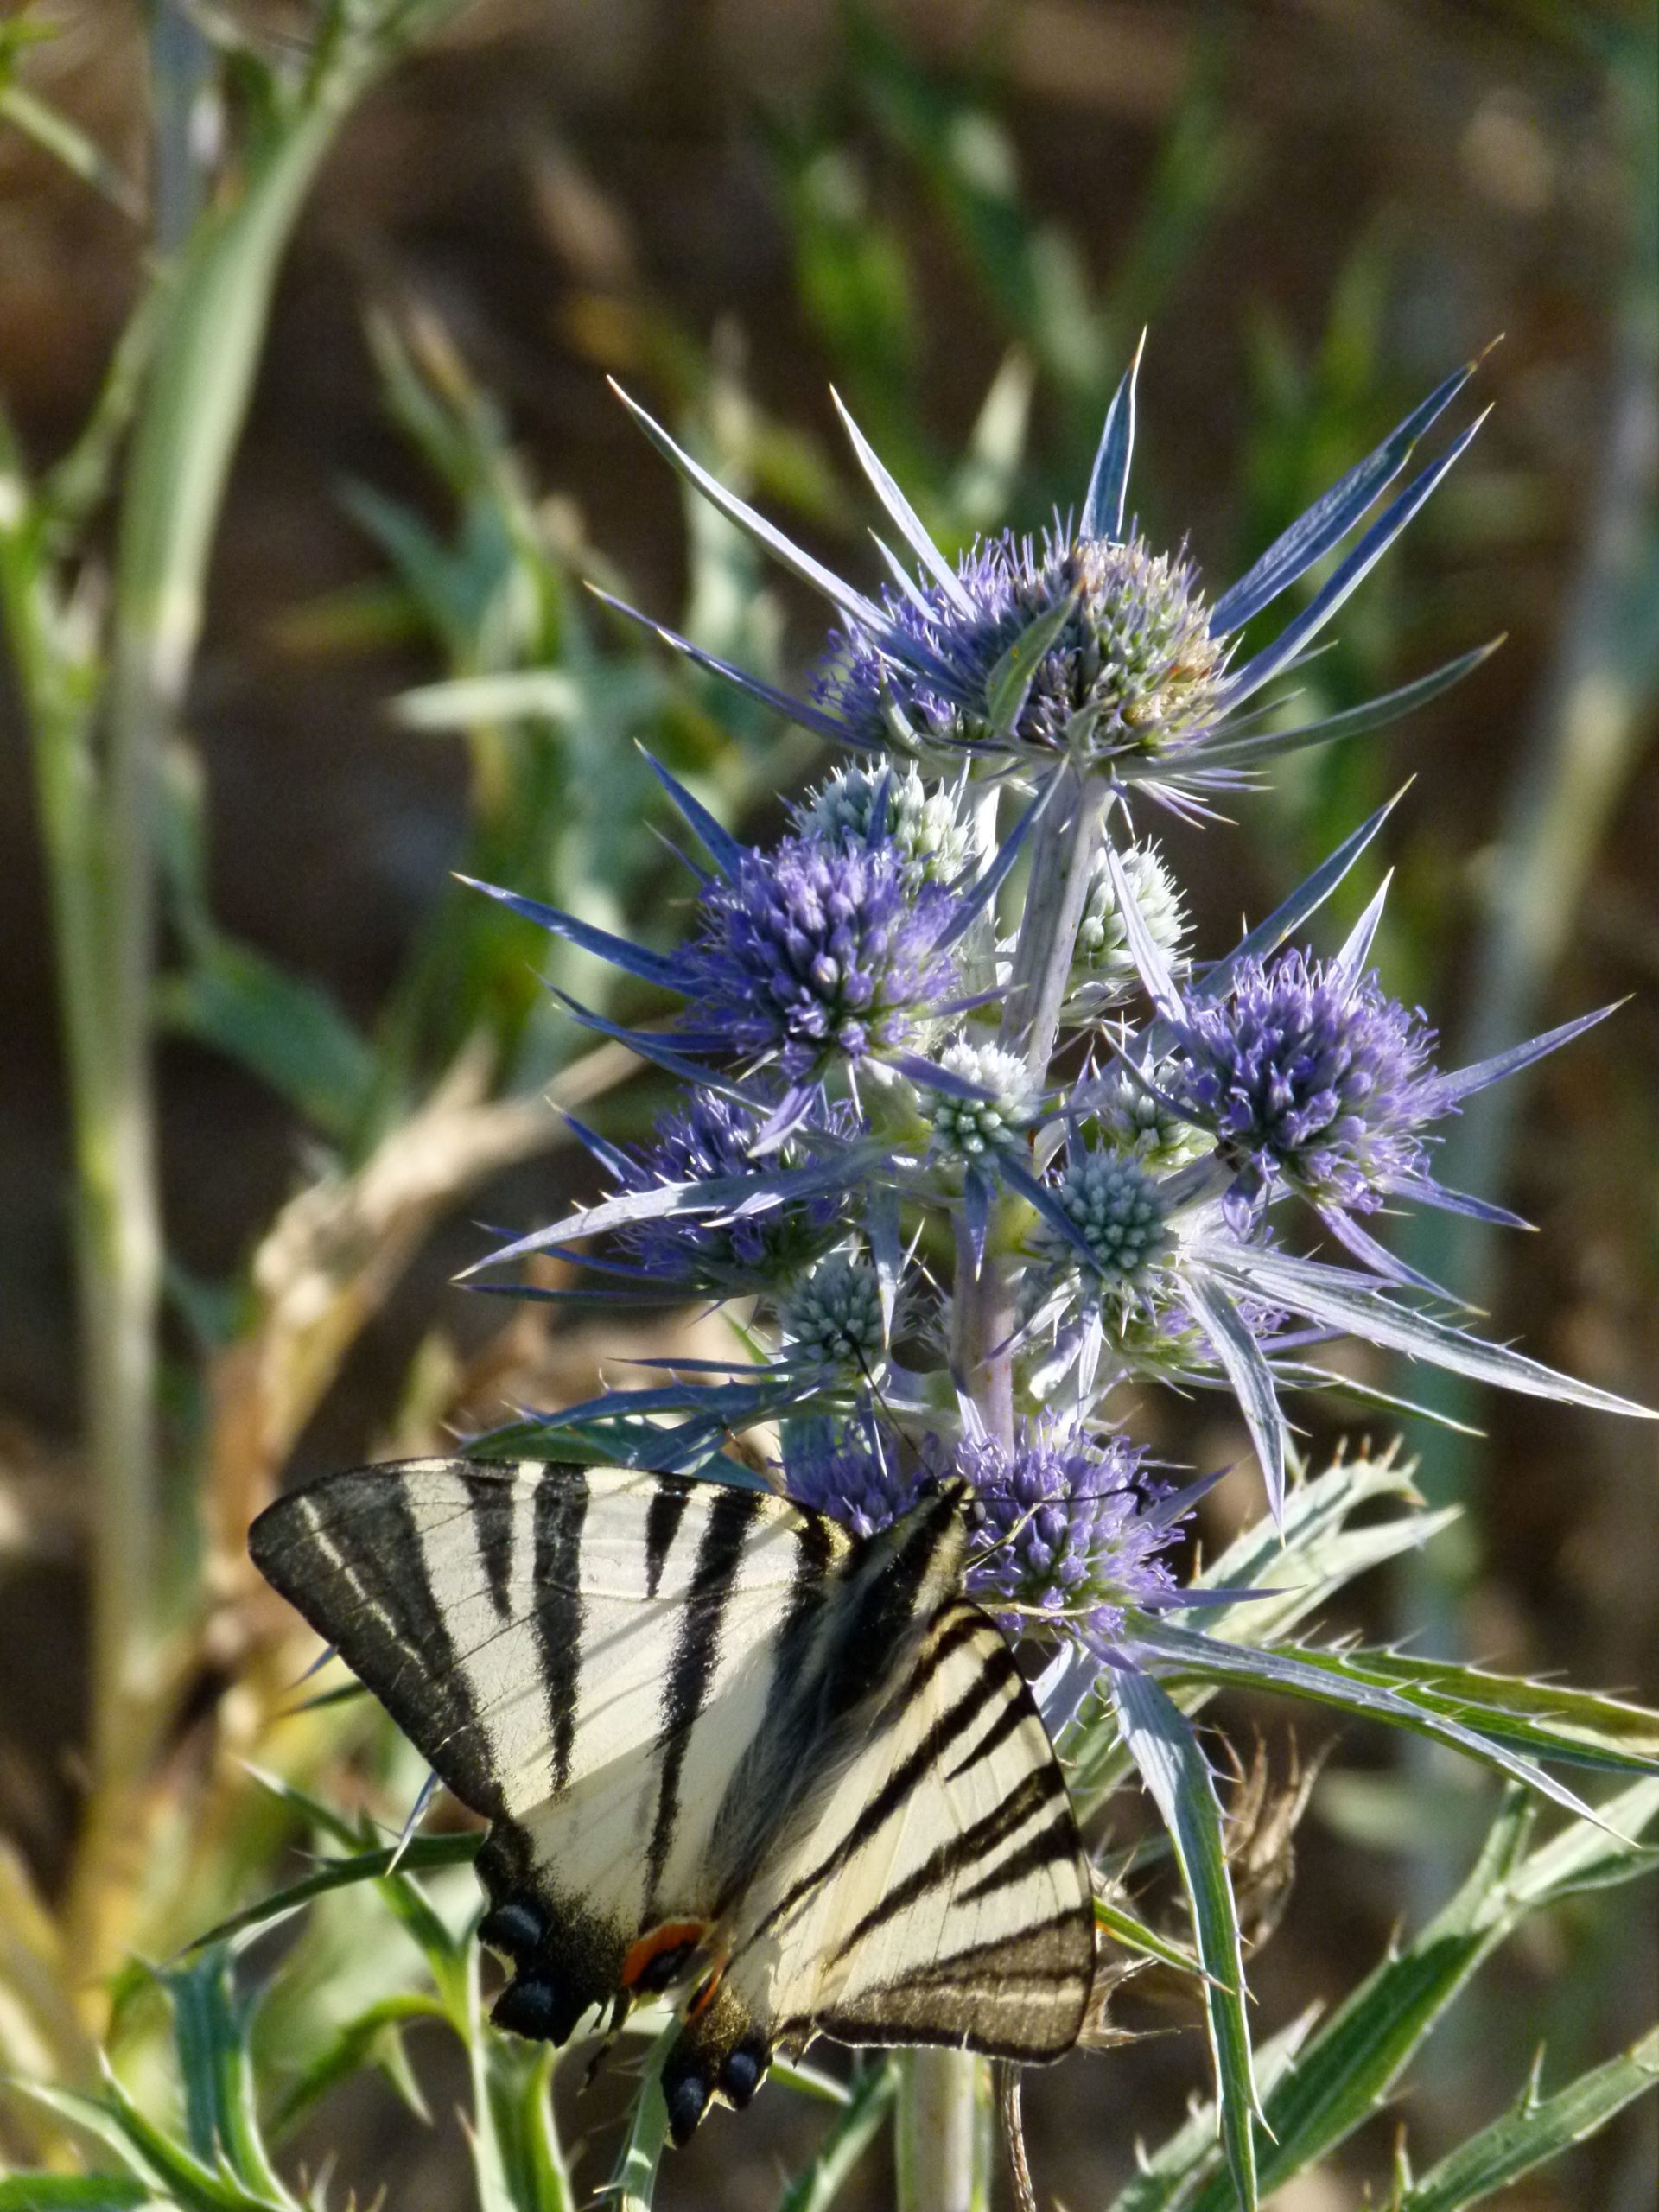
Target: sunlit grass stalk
pixel 103 823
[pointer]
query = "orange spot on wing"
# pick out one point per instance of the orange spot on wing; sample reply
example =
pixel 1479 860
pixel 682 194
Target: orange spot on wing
pixel 669 1935
pixel 703 1996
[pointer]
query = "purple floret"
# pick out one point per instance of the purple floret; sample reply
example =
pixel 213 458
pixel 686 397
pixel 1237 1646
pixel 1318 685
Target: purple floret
pixel 1299 1071
pixel 709 1140
pixel 1069 1515
pixel 1068 1533
pixel 821 949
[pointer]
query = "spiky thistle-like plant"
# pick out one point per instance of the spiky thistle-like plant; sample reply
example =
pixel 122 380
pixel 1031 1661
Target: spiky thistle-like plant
pixel 954 1252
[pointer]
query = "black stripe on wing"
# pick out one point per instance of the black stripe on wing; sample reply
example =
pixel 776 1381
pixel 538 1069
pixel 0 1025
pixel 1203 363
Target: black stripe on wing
pixel 663 1519
pixel 345 1553
pixel 492 1509
pixel 921 1762
pixel 1042 1786
pixel 697 1654
pixel 1021 1996
pixel 561 1510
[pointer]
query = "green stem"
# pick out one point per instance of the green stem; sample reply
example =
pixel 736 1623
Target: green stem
pixel 99 819
pixel 194 405
pixel 941 2161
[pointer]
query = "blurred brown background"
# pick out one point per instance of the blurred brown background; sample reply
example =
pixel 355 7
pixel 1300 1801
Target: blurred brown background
pixel 1397 184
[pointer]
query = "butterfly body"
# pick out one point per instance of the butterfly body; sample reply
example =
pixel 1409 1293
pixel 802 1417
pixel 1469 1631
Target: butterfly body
pixel 726 1748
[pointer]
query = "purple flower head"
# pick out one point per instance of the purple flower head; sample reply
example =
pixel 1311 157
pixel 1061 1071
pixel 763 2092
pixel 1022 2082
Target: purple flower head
pixel 1069 1529
pixel 864 1478
pixel 1133 670
pixel 709 1139
pixel 1302 1071
pixel 819 949
pixel 1120 658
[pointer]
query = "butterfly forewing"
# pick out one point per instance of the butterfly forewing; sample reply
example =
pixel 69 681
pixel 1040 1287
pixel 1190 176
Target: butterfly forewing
pixel 710 1728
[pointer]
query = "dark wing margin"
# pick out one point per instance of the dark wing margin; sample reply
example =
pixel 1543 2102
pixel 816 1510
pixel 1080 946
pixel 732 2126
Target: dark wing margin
pixel 351 1555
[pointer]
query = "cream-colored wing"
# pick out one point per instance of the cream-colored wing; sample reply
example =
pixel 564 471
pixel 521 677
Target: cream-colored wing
pixel 584 1654
pixel 937 1891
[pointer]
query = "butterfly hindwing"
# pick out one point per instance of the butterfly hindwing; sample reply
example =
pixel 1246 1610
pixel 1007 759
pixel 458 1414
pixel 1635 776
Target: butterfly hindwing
pixel 718 1738
pixel 936 1893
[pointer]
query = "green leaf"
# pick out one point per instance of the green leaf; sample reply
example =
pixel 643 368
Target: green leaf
pixel 1581 1726
pixel 283 1030
pixel 517 2155
pixel 1347 2072
pixel 845 2141
pixel 66 143
pixel 1008 685
pixel 197 2186
pixel 1316 1551
pixel 1134 1936
pixel 420 1854
pixel 1166 2176
pixel 809 2081
pixel 1328 1678
pixel 1287 1579
pixel 371 2038
pixel 210 2033
pixel 1536 2130
pixel 149 2155
pixel 512 694
pixel 634 2175
pixel 1177 1774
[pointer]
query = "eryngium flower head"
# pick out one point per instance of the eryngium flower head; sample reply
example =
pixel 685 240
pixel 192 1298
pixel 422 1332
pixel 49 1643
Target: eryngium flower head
pixel 1103 968
pixel 821 949
pixel 834 1317
pixel 709 1139
pixel 1116 1209
pixel 1303 1071
pixel 923 822
pixel 969 1128
pixel 1070 1535
pixel 863 1477
pixel 1130 1118
pixel 1068 1529
pixel 1133 670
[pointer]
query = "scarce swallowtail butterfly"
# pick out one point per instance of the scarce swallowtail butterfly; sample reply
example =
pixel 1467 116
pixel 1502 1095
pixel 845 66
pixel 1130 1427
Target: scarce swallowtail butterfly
pixel 728 1750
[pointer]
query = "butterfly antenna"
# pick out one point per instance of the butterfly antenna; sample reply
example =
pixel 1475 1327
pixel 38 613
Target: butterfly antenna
pixel 883 1404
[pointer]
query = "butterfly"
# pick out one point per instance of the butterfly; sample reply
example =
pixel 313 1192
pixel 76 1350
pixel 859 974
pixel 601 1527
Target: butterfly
pixel 728 1750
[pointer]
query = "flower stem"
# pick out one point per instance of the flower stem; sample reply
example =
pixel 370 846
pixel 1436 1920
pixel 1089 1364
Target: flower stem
pixel 942 2145
pixel 941 2161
